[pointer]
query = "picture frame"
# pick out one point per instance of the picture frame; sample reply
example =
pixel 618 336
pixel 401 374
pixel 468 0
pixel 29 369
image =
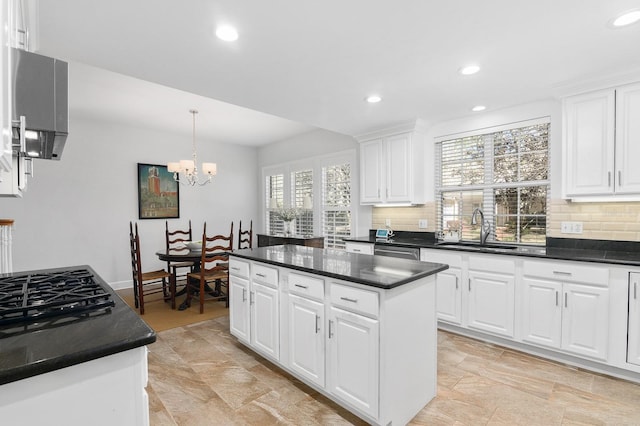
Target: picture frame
pixel 158 192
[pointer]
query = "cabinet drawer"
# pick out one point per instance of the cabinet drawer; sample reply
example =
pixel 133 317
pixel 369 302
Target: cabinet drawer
pixel 265 275
pixel 362 248
pixel 568 272
pixel 439 256
pixel 239 268
pixel 355 300
pixel 492 263
pixel 305 286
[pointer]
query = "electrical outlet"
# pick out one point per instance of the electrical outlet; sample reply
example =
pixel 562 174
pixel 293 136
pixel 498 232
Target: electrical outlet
pixel 571 227
pixel 422 223
pixel 387 222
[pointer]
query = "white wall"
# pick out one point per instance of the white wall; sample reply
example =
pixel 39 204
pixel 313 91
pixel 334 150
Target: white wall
pixel 310 145
pixel 77 210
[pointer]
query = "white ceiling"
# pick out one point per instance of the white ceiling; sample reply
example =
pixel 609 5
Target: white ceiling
pixel 306 64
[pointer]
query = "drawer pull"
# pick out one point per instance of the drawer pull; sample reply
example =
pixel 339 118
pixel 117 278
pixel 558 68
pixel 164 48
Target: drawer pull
pixel 301 286
pixel 562 273
pixel 235 268
pixel 261 275
pixel 356 250
pixel 347 299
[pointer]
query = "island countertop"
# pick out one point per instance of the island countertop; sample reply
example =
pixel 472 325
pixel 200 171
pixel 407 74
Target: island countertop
pixel 376 271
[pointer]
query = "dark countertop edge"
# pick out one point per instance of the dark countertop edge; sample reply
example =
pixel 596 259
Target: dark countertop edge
pixel 348 278
pixel 47 366
pixel 558 251
pixel 8 375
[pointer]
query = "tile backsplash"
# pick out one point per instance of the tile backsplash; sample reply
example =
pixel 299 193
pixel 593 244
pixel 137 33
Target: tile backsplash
pixel 600 221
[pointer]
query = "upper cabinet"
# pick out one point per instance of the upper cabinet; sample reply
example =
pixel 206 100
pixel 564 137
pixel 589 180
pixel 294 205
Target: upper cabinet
pixel 392 166
pixel 601 139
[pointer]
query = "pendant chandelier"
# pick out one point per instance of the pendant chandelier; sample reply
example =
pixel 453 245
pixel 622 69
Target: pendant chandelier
pixel 186 171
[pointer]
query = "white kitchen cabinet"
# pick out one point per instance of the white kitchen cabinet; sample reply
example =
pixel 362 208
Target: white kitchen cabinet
pixel 254 314
pixel 491 295
pixel 600 144
pixel 448 284
pixel 566 306
pixel 585 320
pixel 633 328
pixel 362 248
pixel 391 166
pixel 265 335
pixel 354 359
pixel 306 325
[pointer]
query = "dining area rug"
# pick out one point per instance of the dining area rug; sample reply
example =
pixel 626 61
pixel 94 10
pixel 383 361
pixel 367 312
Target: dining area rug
pixel 159 315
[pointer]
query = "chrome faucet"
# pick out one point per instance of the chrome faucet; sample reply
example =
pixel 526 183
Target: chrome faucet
pixel 484 231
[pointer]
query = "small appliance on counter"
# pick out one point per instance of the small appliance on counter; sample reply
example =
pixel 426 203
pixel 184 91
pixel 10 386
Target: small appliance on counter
pixel 383 234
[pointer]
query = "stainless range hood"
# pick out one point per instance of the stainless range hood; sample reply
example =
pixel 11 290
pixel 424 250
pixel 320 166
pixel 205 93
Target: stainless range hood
pixel 40 108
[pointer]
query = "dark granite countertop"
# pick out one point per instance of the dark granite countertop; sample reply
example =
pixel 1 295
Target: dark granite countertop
pixel 376 271
pixel 36 348
pixel 581 250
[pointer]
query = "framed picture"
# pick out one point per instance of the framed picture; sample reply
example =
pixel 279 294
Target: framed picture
pixel 158 193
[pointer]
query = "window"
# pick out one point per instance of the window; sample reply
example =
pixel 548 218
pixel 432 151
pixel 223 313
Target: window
pixel 274 185
pixel 336 204
pixel 505 173
pixel 320 189
pixel 302 196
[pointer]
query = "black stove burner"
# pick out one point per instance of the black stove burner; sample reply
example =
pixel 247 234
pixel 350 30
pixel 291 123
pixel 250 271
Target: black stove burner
pixel 31 297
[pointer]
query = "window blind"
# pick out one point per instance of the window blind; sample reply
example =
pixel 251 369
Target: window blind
pixel 505 173
pixel 302 188
pixel 336 204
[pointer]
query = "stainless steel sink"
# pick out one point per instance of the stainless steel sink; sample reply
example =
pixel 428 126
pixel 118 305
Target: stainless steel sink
pixel 478 246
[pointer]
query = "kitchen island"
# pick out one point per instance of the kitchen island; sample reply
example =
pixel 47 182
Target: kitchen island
pixel 74 367
pixel 359 329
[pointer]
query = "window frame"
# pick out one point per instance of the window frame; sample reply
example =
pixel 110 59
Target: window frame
pixel 487 188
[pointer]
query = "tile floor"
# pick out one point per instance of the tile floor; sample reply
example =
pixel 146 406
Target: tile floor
pixel 200 375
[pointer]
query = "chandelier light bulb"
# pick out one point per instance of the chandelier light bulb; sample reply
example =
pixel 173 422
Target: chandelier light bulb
pixel 186 171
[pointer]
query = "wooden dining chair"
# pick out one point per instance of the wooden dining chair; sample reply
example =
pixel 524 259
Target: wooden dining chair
pixel 175 244
pixel 147 283
pixel 245 238
pixel 214 268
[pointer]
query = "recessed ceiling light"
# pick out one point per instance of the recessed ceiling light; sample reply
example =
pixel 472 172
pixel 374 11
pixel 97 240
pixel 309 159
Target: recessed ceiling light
pixel 227 33
pixel 469 69
pixel 373 99
pixel 626 18
pixel 478 108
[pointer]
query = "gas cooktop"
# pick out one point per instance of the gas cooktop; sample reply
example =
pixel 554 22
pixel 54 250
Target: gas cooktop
pixel 29 298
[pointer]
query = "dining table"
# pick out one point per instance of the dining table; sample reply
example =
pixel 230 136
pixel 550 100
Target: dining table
pixel 194 256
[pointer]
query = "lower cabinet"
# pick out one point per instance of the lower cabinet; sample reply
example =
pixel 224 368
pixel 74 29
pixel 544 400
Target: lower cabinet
pixel 354 349
pixel 306 338
pixel 329 334
pixel 633 346
pixel 362 248
pixel 572 316
pixel 448 283
pixel 491 295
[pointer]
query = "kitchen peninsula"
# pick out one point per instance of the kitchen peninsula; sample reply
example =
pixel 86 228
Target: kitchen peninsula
pixel 359 329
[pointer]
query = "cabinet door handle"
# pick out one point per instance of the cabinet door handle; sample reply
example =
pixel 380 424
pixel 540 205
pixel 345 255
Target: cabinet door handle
pixel 556 297
pixel 347 299
pixel 387 193
pixel 378 192
pixel 301 286
pixel 251 297
pixel 619 178
pixel 562 273
pixel 244 294
pixel 317 324
pixel 330 329
pixel 635 289
pixel 565 300
pixel 456 283
pixel 609 175
pixel 469 284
